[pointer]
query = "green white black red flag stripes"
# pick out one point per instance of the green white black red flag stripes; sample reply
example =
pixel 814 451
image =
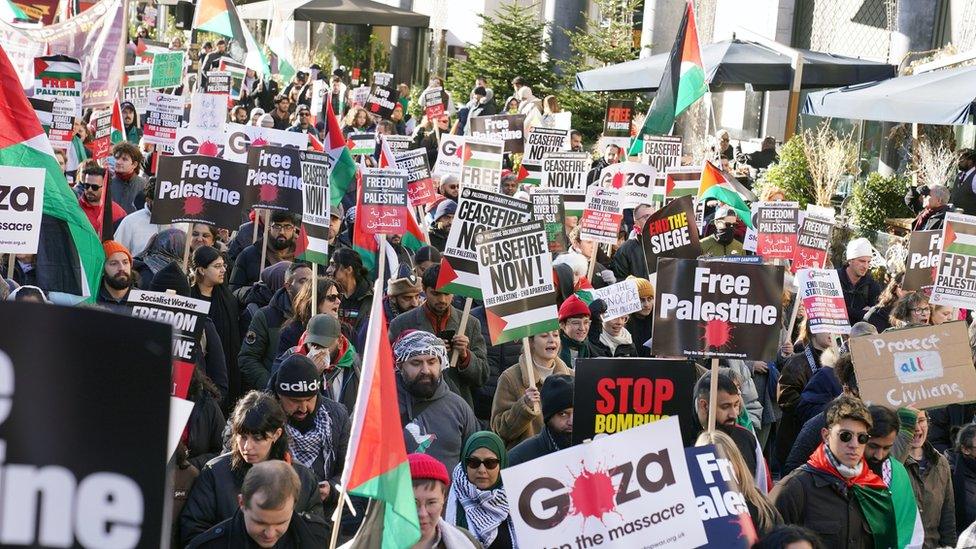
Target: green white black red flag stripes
pixel 481 164
pixel 955 284
pixel 681 181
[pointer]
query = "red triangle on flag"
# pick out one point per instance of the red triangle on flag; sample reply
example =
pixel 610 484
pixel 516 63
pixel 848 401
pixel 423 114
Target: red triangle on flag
pixel 446 275
pixel 496 324
pixel 949 238
pixel 350 143
pixel 467 153
pixel 301 243
pixel 522 173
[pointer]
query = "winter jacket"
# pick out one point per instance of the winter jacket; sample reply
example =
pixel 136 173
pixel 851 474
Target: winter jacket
pixel 183 480
pixel 252 298
pixel 95 214
pixel 438 426
pixel 710 247
pixel 536 446
pixel 135 230
pixel 128 193
pixel 821 502
pixel 595 170
pixel 792 379
pixel 930 220
pixel 499 358
pixel 858 297
pixel 464 378
pixel 261 341
pixel 629 260
pixel 879 317
pixel 342 383
pixel 354 310
pixel 945 422
pixel 583 349
pixel 822 388
pixel 963 488
pixel 214 496
pixel 640 328
pixel 232 533
pixel 247 265
pixel 511 418
pixel 245 233
pixel 622 350
pixel 211 360
pixel 933 493
pixel 747 389
pixel 205 438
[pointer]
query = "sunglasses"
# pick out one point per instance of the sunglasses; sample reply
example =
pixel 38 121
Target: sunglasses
pixel 490 463
pixel 332 297
pixel 862 438
pixel 91 186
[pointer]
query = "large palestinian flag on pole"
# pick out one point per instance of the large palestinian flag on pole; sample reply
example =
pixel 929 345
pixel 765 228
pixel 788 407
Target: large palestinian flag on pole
pixel 221 17
pixel 715 184
pixel 682 83
pixel 24 143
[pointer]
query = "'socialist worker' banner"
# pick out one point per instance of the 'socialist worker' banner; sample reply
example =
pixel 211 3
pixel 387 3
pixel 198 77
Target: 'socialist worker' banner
pixel 602 215
pixel 199 189
pixel 98 468
pixel 823 300
pixel 316 218
pixel 924 367
pixel 717 310
pixel 420 187
pixel 274 179
pixel 21 204
pixel 955 282
pixel 384 203
pixel 477 211
pixel 564 173
pixel 515 269
pixel 777 224
pixel 627 490
pixel 722 508
pixel 509 128
pixel 481 164
pixel 812 243
pixel 671 232
pixel 539 142
pixel 613 395
pixel 922 260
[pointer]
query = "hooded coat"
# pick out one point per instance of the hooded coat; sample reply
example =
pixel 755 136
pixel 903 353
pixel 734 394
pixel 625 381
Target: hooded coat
pixel 261 342
pixel 438 426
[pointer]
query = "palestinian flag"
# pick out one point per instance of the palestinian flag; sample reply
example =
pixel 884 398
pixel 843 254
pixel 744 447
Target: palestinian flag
pixel 959 236
pixel 118 127
pixel 220 16
pixel 911 533
pixel 376 462
pixel 343 175
pixel 682 83
pixel 44 110
pixel 23 143
pixel 681 181
pixel 482 155
pixel 9 12
pixel 76 154
pixel 716 184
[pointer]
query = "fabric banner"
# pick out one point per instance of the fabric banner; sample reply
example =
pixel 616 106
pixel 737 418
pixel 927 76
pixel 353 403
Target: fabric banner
pixel 316 214
pixel 722 507
pixel 823 301
pixel 381 100
pixel 620 298
pixel 507 128
pixel 924 367
pixel 515 270
pixel 199 189
pixel 812 243
pixel 631 489
pixel 955 280
pixel 776 225
pixel 449 156
pixel 638 182
pixel 384 202
pixel 163 118
pixel 671 232
pixel 135 87
pixel 564 173
pixel 21 205
pixel 481 164
pixel 274 179
pixel 714 309
pixel 662 152
pixel 615 394
pixel 602 215
pixel 539 142
pixel 100 467
pixel 477 211
pixel 550 209
pixel 420 187
pixel 922 260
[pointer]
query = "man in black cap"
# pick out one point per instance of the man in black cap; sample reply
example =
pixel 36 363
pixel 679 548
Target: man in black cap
pixel 557 410
pixel 318 427
pixel 303 122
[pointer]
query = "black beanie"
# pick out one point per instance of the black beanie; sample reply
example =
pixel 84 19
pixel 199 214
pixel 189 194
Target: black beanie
pixel 170 277
pixel 204 256
pixel 557 395
pixel 297 377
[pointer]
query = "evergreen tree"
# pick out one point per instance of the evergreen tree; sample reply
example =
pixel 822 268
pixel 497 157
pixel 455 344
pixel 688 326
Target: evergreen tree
pixel 512 44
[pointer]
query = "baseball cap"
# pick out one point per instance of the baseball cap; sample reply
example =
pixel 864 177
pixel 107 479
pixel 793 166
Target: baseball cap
pixel 323 329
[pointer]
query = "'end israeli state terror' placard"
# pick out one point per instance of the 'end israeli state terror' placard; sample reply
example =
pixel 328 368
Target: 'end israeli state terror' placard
pixel 274 179
pixel 602 215
pixel 713 309
pixel 515 269
pixel 671 232
pixel 955 280
pixel 199 189
pixel 823 301
pixel 384 203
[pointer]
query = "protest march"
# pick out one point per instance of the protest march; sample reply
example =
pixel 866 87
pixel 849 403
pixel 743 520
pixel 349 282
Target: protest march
pixel 260 288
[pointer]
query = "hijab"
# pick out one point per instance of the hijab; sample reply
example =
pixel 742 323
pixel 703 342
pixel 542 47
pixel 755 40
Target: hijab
pixel 480 511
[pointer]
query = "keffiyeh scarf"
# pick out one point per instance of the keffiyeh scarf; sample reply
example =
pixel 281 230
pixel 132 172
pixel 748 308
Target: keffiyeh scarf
pixel 306 447
pixel 484 510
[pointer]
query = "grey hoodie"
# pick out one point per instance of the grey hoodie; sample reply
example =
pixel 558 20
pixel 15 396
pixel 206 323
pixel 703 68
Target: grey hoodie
pixel 437 426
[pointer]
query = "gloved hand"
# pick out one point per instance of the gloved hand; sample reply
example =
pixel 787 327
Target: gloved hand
pixel 597 308
pixel 607 276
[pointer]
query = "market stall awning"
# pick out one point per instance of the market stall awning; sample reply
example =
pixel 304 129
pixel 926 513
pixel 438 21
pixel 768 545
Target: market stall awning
pixel 734 63
pixel 343 12
pixel 938 97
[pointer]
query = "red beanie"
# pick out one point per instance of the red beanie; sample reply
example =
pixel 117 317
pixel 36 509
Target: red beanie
pixel 112 247
pixel 573 307
pixel 423 466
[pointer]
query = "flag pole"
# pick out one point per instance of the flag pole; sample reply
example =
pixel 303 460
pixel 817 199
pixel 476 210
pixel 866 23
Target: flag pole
pixel 529 367
pixel 264 243
pixel 712 396
pixel 11 260
pixel 461 327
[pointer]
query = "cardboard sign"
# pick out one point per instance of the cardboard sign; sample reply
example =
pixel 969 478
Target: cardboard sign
pixel 218 83
pixel 955 281
pixel 508 128
pixel 671 232
pixel 602 215
pixel 477 211
pixel 638 182
pixel 381 100
pixel 316 216
pixel 681 181
pixel 924 367
pixel 662 152
pixel 539 142
pixel 167 70
pixel 190 141
pixel 722 508
pixel 58 77
pixel 776 226
pixel 449 155
pixel 361 143
pixel 621 298
pixel 100 467
pixel 420 186
pixel 515 270
pixel 184 314
pixel 384 201
pixel 564 173
pixel 320 94
pixel 707 309
pixel 274 179
pixel 163 118
pixel 922 260
pixel 60 130
pixel 238 140
pixel 550 209
pixel 135 86
pixel 617 121
pixel 101 144
pixel 823 301
pixel 481 164
pixel 21 205
pixel 631 489
pixel 812 243
pixel 615 394
pixel 432 101
pixel 199 189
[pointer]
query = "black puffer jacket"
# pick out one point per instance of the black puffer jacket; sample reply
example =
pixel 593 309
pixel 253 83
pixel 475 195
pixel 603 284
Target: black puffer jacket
pixel 206 423
pixel 261 341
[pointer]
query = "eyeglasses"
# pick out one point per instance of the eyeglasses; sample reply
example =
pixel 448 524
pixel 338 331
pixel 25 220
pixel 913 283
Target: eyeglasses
pixel 474 463
pixel 91 186
pixel 279 227
pixel 332 297
pixel 846 436
pixel 579 323
pixel 919 310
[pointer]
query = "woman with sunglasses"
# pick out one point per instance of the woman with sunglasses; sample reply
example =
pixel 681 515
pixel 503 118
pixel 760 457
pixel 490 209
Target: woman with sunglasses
pixel 208 278
pixel 477 500
pixel 328 303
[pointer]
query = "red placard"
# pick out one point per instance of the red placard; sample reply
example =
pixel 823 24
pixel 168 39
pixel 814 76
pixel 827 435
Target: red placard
pixel 182 373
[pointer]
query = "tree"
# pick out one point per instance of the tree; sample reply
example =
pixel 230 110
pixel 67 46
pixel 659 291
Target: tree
pixel 512 44
pixel 605 40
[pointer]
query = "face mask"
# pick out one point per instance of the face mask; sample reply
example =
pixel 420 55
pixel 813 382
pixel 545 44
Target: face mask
pixel 724 236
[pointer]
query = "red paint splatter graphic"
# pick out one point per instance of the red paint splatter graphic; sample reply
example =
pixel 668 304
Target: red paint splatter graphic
pixel 193 205
pixel 208 148
pixel 259 142
pixel 617 181
pixel 268 193
pixel 718 333
pixel 593 494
